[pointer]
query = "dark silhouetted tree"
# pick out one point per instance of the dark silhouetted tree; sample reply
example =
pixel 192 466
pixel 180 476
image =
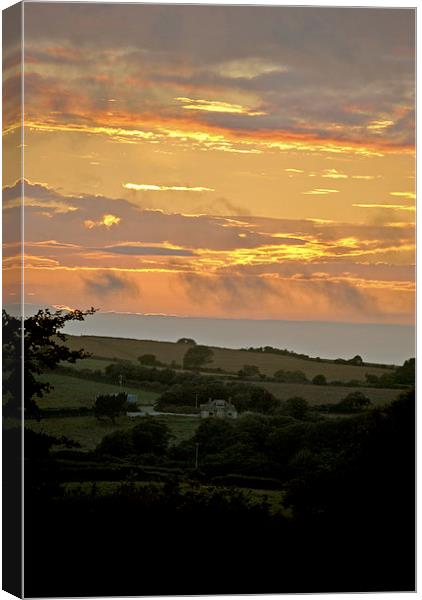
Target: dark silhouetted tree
pixel 356 360
pixel 110 405
pixel 189 341
pixel 40 342
pixel 197 356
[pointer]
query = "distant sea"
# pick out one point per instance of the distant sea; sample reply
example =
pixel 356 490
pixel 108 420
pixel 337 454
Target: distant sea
pixel 387 344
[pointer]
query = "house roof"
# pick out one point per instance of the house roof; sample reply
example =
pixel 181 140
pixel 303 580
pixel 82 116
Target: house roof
pixel 218 403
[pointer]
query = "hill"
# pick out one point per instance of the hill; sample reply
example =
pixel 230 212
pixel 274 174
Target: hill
pixel 229 360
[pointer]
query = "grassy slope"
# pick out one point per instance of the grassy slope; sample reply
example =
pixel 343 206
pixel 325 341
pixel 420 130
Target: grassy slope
pixel 224 358
pixel 71 392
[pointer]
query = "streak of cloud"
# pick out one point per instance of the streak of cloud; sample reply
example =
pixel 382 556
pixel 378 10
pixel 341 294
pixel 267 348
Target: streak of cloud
pixel 388 206
pixel 147 250
pixel 145 187
pixel 219 107
pixel 409 195
pixel 320 192
pixel 333 174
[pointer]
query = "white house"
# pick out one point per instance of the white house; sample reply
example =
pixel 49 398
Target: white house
pixel 218 408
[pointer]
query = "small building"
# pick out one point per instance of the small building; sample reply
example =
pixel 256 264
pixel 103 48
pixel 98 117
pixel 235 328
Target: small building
pixel 132 398
pixel 218 408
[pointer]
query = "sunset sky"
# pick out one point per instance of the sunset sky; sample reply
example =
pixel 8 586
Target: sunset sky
pixel 233 162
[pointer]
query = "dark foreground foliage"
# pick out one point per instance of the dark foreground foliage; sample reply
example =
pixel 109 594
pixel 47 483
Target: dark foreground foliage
pixel 349 484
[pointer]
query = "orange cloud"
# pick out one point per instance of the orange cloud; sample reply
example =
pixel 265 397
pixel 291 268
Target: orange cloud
pixel 127 126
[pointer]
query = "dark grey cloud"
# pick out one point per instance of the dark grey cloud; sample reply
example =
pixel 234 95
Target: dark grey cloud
pixel 331 58
pixel 35 190
pixel 331 267
pixel 110 283
pixel 238 291
pixel 346 295
pixel 232 292
pixel 214 33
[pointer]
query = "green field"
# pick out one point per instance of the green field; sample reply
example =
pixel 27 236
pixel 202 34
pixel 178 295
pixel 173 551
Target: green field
pixel 73 392
pixel 327 394
pixel 224 358
pixel 88 431
pixel 95 364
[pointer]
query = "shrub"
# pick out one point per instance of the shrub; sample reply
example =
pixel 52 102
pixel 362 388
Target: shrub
pixel 319 380
pixel 249 371
pixel 295 407
pixel 149 360
pixel 354 402
pixel 290 376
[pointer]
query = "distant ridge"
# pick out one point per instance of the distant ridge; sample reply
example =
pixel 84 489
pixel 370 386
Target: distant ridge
pixel 375 342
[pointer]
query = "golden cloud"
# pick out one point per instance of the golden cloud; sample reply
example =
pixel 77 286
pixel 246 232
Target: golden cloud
pixel 216 106
pixel 410 195
pixel 333 174
pixel 320 192
pixel 146 187
pixel 107 221
pixel 391 206
pixel 379 126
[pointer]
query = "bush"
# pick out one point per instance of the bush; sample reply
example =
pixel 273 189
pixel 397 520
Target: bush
pixel 295 407
pixel 150 436
pixel 290 376
pixel 319 380
pixel 248 371
pixel 149 360
pixel 118 443
pixel 354 402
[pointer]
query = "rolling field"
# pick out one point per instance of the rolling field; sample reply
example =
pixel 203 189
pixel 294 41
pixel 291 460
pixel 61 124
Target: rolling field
pixel 72 392
pixel 324 394
pixel 224 358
